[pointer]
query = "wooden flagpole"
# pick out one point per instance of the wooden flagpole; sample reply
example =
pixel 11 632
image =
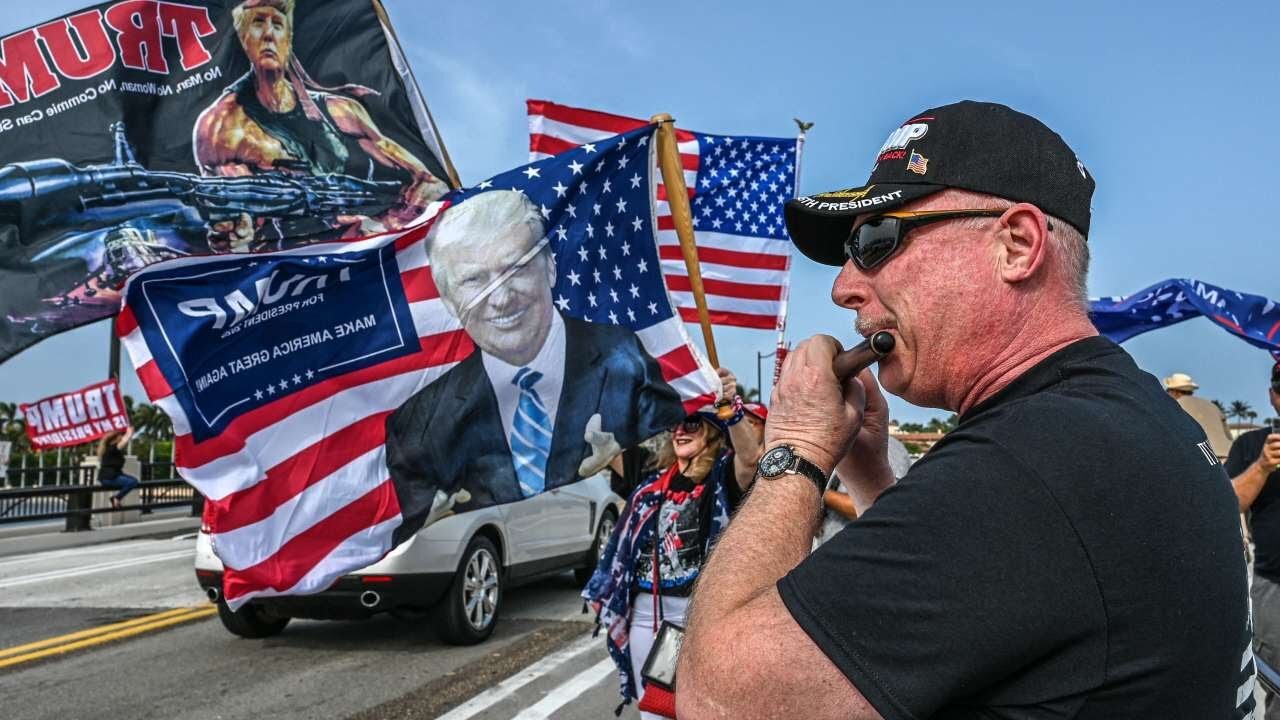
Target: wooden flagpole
pixel 678 199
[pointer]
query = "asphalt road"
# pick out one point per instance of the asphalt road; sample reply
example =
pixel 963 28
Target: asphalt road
pixel 541 661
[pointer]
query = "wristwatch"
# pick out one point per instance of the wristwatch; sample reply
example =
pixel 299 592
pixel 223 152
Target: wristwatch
pixel 784 460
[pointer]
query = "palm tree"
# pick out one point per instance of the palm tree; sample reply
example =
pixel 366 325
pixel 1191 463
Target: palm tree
pixel 1239 409
pixel 151 421
pixel 13 426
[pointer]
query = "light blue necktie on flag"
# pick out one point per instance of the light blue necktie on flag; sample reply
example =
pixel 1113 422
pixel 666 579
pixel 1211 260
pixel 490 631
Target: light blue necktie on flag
pixel 530 435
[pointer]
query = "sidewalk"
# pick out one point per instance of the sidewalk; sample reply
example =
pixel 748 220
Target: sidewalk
pixel 41 536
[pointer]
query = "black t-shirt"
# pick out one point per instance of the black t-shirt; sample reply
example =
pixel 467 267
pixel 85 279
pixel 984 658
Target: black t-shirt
pixel 112 463
pixel 1264 514
pixel 1067 552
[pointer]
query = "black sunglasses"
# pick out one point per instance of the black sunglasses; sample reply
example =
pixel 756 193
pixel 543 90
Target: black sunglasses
pixel 872 242
pixel 690 425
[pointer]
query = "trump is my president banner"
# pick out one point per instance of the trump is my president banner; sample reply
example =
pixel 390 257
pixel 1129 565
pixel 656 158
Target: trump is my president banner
pixel 75 417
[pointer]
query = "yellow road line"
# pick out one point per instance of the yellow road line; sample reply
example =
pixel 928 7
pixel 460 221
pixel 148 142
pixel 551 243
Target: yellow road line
pixel 101 635
pixel 101 630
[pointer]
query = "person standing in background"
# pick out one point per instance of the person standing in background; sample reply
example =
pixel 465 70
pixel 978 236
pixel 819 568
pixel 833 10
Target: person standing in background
pixel 1181 387
pixel 1254 467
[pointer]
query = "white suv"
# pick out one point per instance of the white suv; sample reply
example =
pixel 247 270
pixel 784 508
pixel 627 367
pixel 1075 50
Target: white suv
pixel 454 570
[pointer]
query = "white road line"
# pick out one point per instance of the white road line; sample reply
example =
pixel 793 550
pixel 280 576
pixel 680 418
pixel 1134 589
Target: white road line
pixel 506 688
pixel 81 551
pixel 570 690
pixel 86 570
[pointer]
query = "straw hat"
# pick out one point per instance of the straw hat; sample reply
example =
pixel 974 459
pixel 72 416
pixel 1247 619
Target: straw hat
pixel 1180 381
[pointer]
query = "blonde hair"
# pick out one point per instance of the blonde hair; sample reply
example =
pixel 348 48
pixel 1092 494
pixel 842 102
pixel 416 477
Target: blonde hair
pixel 701 464
pixel 240 18
pixel 481 216
pixel 663 449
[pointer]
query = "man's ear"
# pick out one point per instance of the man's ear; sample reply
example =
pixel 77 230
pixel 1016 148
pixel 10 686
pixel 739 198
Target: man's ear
pixel 1023 243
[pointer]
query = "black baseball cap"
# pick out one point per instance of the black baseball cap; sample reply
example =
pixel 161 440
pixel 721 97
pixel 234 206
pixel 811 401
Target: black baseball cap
pixel 978 146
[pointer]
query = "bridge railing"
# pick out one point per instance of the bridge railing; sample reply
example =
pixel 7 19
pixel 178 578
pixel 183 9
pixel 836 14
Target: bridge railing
pixel 67 492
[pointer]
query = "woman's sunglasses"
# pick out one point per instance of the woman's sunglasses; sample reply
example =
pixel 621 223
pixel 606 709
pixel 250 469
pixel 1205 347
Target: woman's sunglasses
pixel 872 242
pixel 690 425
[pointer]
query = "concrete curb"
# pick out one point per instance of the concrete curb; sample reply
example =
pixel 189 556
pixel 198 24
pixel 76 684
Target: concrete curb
pixel 39 537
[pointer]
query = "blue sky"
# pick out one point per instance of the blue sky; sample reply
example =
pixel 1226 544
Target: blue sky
pixel 1172 110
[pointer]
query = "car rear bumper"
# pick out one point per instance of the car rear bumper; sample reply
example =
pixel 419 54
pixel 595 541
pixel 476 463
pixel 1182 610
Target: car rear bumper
pixel 352 596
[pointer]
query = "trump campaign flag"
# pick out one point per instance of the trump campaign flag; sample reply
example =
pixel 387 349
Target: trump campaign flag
pixel 737 186
pixel 75 417
pixel 329 400
pixel 1252 318
pixel 278 371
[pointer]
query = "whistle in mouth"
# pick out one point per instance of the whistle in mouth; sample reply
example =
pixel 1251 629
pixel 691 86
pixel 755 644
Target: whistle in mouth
pixel 860 356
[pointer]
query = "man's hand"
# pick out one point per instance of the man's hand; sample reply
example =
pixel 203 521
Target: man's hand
pixel 728 383
pixel 811 410
pixel 1269 458
pixel 231 235
pixel 872 440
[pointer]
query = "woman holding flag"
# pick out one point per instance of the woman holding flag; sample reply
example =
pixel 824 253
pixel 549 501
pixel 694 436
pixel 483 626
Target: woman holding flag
pixel 647 570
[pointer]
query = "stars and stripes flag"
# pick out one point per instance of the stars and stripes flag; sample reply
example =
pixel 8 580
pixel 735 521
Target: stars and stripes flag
pixel 737 186
pixel 1252 318
pixel 918 163
pixel 280 369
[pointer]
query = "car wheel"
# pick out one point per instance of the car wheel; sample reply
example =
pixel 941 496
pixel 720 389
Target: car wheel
pixel 250 621
pixel 607 521
pixel 469 611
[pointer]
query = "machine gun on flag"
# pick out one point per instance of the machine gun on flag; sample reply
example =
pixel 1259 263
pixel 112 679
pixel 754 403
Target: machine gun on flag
pixel 87 228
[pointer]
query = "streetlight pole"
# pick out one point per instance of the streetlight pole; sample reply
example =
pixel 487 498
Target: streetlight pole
pixel 759 378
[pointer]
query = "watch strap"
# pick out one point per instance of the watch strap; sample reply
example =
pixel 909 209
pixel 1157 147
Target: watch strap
pixel 811 471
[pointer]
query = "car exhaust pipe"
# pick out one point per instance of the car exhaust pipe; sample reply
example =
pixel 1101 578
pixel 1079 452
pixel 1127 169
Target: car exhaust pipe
pixel 370 599
pixel 212 593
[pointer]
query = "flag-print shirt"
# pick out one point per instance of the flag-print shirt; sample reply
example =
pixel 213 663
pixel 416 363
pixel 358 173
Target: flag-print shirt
pixel 680 540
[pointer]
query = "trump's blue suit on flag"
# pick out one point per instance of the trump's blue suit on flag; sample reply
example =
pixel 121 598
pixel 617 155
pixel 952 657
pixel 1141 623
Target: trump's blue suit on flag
pixel 450 436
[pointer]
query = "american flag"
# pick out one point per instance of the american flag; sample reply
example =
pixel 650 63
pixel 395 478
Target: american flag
pixel 737 184
pixel 597 198
pixel 918 163
pixel 280 369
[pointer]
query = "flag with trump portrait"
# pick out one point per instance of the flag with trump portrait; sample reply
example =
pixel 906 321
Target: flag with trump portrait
pixel 137 131
pixel 330 400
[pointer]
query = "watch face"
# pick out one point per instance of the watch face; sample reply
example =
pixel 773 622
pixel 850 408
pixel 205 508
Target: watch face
pixel 776 461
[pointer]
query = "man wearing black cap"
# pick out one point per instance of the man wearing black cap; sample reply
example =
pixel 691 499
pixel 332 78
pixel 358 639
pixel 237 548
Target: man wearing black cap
pixel 1068 551
pixel 1254 467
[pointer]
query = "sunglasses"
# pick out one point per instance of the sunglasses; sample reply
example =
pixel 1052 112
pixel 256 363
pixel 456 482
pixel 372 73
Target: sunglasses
pixel 872 242
pixel 690 425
